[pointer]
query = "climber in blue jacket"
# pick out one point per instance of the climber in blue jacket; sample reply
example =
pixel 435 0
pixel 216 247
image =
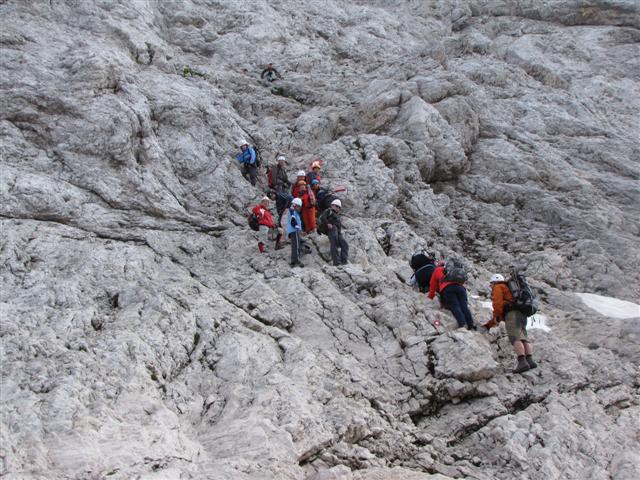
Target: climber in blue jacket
pixel 247 159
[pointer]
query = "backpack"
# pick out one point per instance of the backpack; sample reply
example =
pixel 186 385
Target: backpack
pixel 454 271
pixel 253 222
pixel 418 260
pixel 323 219
pixel 524 299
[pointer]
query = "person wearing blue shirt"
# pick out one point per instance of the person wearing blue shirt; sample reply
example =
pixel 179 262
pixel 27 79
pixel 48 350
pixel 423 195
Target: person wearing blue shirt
pixel 247 159
pixel 294 228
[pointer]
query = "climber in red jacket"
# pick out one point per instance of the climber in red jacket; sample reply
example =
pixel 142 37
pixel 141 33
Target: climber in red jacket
pixel 265 221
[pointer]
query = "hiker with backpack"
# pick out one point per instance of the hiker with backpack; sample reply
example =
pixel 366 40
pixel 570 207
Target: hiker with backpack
pixel 324 197
pixel 270 73
pixel 249 162
pixel 447 280
pixel 265 223
pixel 512 303
pixel 294 230
pixel 423 265
pixel 280 178
pixel 330 224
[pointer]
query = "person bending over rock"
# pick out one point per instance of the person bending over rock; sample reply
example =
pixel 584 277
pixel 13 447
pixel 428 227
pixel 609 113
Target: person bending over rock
pixel 294 230
pixel 447 280
pixel 423 265
pixel 247 160
pixel 270 73
pixel 265 222
pixel 334 232
pixel 515 323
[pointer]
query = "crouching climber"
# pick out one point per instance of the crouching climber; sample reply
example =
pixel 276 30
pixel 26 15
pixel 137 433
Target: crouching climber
pixel 265 223
pixel 294 230
pixel 447 280
pixel 423 264
pixel 330 224
pixel 514 320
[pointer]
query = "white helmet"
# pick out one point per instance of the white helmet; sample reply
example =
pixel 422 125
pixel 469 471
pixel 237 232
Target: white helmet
pixel 301 173
pixel 281 157
pixel 496 277
pixel 297 202
pixel 242 142
pixel 337 203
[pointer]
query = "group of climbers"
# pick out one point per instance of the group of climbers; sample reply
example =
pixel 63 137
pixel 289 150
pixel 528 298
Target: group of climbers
pixel 309 208
pixel 512 300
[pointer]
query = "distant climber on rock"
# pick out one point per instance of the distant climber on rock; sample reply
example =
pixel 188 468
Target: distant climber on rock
pixel 314 173
pixel 248 161
pixel 330 224
pixel 300 183
pixel 447 280
pixel 265 222
pixel 283 202
pixel 308 209
pixel 514 320
pixel 280 178
pixel 270 74
pixel 294 230
pixel 423 265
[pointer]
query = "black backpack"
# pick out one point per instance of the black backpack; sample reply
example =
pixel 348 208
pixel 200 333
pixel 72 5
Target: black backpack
pixel 253 220
pixel 454 271
pixel 323 219
pixel 524 299
pixel 418 260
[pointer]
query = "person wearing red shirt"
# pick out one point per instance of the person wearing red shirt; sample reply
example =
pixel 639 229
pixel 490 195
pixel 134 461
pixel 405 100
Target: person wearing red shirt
pixel 453 295
pixel 265 220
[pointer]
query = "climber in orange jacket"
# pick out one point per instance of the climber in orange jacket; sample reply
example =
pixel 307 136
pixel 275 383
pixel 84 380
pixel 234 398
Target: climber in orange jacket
pixel 514 321
pixel 308 213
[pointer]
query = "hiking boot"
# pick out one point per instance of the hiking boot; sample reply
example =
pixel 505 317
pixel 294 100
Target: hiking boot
pixel 531 363
pixel 279 246
pixel 297 264
pixel 472 327
pixel 522 365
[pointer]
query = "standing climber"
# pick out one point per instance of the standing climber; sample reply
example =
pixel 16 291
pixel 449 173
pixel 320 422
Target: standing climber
pixel 247 158
pixel 283 202
pixel 300 183
pixel 294 229
pixel 308 209
pixel 515 323
pixel 280 178
pixel 423 265
pixel 332 225
pixel 270 73
pixel 314 174
pixel 447 280
pixel 265 222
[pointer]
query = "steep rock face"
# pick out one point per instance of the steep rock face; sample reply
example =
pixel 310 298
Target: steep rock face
pixel 144 337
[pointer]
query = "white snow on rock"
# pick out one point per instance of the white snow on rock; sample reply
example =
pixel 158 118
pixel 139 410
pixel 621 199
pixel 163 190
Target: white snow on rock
pixel 609 306
pixel 537 321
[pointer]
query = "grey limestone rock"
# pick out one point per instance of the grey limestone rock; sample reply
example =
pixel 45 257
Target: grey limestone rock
pixel 143 335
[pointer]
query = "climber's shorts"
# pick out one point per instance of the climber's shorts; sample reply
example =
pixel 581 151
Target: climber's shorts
pixel 516 324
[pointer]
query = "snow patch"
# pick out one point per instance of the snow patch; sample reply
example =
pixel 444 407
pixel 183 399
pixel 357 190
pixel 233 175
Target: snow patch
pixel 609 306
pixel 538 322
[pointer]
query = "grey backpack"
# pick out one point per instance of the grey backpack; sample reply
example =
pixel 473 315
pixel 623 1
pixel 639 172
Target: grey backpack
pixel 454 271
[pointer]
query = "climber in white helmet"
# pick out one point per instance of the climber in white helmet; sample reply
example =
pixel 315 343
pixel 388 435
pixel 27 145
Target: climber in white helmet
pixel 248 161
pixel 339 246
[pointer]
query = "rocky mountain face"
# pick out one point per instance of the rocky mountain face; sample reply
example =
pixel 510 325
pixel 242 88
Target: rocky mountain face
pixel 143 335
